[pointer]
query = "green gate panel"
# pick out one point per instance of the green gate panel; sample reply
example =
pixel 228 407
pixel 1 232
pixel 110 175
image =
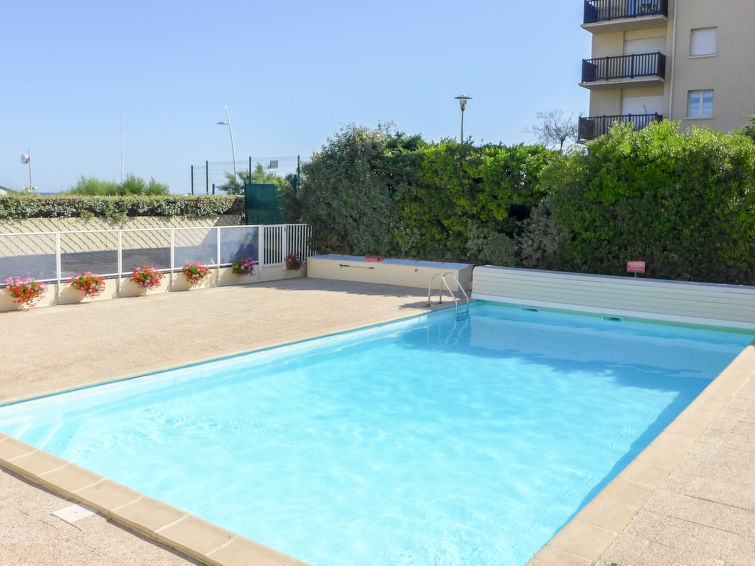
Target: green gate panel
pixel 262 204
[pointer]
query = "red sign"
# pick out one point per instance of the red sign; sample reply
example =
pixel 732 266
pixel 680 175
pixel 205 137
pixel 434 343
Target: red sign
pixel 635 267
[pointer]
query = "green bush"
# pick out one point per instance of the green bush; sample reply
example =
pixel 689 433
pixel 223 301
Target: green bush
pixel 383 192
pixel 132 185
pixel 684 203
pixel 115 207
pixel 466 198
pixel 347 197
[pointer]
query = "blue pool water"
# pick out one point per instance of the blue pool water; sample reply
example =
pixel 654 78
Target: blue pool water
pixel 426 441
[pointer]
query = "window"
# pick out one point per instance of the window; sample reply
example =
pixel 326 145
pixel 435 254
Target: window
pixel 700 104
pixel 703 42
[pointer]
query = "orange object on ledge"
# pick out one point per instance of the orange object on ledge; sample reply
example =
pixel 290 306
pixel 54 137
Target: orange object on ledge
pixel 374 258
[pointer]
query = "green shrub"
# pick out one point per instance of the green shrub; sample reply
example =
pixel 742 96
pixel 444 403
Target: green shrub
pixel 462 191
pixel 378 191
pixel 132 185
pixel 346 198
pixel 66 205
pixel 684 203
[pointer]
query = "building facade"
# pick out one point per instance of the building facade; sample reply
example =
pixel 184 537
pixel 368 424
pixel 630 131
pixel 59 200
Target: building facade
pixel 686 60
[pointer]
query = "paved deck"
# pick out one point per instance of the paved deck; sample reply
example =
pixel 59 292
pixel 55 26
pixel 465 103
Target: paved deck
pixel 690 500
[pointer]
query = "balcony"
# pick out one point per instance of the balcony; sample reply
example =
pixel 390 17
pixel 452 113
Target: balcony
pixel 605 15
pixel 644 69
pixel 596 126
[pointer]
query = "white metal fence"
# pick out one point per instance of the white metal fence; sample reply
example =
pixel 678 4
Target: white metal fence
pixel 58 256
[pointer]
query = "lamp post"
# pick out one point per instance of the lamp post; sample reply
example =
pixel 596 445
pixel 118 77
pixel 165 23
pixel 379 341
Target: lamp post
pixel 233 147
pixel 26 158
pixel 123 163
pixel 463 104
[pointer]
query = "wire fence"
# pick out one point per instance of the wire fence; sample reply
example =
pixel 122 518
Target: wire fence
pixel 208 177
pixel 58 256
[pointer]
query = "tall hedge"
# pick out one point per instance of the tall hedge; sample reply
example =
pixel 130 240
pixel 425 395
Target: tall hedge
pixel 376 191
pixel 348 196
pixel 684 203
pixel 470 202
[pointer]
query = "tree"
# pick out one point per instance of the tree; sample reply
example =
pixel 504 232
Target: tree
pixel 235 184
pixel 554 128
pixel 749 129
pixel 346 194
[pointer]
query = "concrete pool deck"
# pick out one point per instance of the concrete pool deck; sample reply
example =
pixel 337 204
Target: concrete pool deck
pixel 688 499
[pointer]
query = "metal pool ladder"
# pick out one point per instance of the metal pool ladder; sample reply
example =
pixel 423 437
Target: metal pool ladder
pixel 443 283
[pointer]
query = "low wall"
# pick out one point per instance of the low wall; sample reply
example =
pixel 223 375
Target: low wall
pixel 14 226
pixel 90 239
pixel 405 272
pixel 710 304
pixel 122 287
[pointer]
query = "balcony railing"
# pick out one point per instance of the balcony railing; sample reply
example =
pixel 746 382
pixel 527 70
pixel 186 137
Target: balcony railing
pixel 624 67
pixel 596 126
pixel 604 10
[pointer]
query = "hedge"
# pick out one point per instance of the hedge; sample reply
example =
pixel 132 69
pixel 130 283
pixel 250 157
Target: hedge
pixel 64 206
pixel 683 202
pixel 377 192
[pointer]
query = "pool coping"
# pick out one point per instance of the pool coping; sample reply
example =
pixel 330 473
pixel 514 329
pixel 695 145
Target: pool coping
pixel 580 541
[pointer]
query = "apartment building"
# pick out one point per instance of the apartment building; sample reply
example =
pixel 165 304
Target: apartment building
pixel 687 60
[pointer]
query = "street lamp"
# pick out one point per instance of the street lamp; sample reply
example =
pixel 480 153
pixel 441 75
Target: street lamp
pixel 233 147
pixel 463 104
pixel 26 158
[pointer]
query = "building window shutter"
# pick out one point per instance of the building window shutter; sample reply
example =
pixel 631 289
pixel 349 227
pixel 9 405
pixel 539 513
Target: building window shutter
pixel 703 41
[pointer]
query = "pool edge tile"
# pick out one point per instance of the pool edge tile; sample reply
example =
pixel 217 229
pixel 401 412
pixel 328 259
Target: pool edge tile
pixel 582 539
pixel 39 462
pixel 149 513
pixel 552 556
pixel 606 514
pixel 107 494
pixel 69 478
pixel 195 535
pixel 11 448
pixel 240 551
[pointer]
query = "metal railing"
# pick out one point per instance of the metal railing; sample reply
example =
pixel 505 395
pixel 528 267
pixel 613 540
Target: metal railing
pixel 282 239
pixel 603 10
pixel 624 67
pixel 444 283
pixel 57 256
pixel 595 126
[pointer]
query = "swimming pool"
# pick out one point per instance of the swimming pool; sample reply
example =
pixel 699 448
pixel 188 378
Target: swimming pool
pixel 428 441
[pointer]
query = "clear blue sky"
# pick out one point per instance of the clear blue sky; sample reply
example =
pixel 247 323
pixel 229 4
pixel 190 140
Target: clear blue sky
pixel 291 73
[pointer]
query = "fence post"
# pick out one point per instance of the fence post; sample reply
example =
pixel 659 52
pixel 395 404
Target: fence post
pixel 261 247
pixel 192 179
pixel 120 264
pixel 172 256
pixel 207 177
pixel 217 274
pixel 284 244
pixel 57 266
